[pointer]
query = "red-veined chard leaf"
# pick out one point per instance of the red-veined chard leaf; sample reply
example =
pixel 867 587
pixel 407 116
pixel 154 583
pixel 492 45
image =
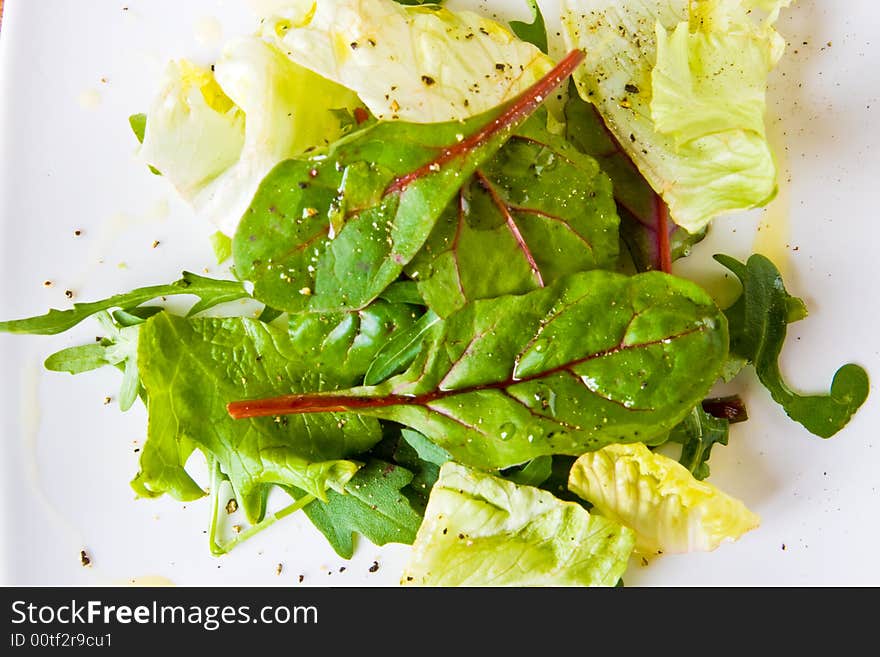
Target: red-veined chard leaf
pixel 593 359
pixel 538 211
pixel 758 325
pixel 331 232
pixel 653 239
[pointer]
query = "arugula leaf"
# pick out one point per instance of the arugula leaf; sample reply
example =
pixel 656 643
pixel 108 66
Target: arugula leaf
pixel 593 359
pixel 331 232
pixel 210 292
pixel 135 316
pixel 424 459
pixel 118 348
pixel 534 32
pixel 191 367
pixel 537 211
pixel 425 449
pixel 758 325
pixel 77 360
pixel 340 347
pixel 654 242
pixel 372 505
pixel 481 530
pixel 697 434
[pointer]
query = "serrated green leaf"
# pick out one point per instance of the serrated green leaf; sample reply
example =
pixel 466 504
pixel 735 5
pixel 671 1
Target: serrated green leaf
pixel 372 505
pixel 697 434
pixel 210 292
pixel 758 326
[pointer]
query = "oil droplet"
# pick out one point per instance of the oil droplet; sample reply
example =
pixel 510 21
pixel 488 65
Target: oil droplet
pixel 209 31
pixel 508 431
pixel 89 99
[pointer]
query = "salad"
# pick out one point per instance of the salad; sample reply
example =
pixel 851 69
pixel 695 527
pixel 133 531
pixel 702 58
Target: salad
pixel 469 336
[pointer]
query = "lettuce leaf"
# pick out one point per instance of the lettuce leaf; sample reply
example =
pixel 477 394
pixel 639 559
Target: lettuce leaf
pixel 480 530
pixel 659 499
pixel 190 368
pixel 216 134
pixel 422 64
pixel 682 86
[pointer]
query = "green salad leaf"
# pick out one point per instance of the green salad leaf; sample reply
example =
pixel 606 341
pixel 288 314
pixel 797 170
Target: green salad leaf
pixel 211 293
pixel 372 504
pixel 216 133
pixel 669 510
pixel 331 232
pixel 481 530
pixel 534 473
pixel 652 238
pixel 593 359
pixel 436 65
pixel 222 245
pixel 400 350
pixel 698 433
pixel 537 211
pixel 341 347
pixel 534 32
pixel 191 367
pixel 118 347
pixel 758 325
pixel 681 84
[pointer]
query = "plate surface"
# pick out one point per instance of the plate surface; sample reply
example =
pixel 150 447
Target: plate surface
pixel 71 72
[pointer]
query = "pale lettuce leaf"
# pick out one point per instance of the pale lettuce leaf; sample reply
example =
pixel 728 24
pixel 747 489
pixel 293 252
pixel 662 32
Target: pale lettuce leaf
pixel 421 64
pixel 480 530
pixel 669 510
pixel 216 134
pixel 682 85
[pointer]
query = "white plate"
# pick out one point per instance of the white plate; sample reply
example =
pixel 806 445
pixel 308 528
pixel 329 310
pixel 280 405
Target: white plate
pixel 70 74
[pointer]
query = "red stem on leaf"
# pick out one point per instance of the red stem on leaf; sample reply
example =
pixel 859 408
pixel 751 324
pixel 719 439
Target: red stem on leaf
pixel 330 402
pixel 660 227
pixel 661 212
pixel 504 209
pixel 521 107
